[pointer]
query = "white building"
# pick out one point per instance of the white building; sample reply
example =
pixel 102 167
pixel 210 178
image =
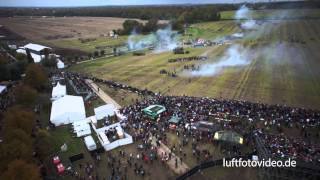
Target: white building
pixel 67 109
pixel 123 137
pixel 58 91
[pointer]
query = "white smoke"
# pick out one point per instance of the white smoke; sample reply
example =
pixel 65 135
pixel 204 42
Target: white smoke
pixel 166 40
pixel 162 40
pixel 244 13
pixel 138 42
pixel 236 56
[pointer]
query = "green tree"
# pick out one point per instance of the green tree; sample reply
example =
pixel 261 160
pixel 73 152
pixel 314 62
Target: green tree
pixel 43 144
pixel 18 118
pixel 131 25
pixel 26 95
pixel 36 77
pixel 19 169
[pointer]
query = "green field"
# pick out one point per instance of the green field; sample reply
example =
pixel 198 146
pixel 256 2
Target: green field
pixel 287 76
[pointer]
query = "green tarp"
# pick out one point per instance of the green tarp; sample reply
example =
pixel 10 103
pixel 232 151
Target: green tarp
pixel 153 111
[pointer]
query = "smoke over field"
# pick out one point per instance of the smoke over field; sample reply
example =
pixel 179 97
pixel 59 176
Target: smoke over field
pixel 245 14
pixel 162 40
pixel 236 55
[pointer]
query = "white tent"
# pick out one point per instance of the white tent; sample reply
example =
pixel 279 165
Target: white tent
pixel 104 111
pixel 82 130
pixel 35 47
pixel 36 57
pixel 60 64
pixel 91 145
pixel 3 89
pixel 67 109
pixel 58 91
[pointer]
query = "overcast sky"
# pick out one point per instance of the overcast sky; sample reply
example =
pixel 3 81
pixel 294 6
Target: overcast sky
pixel 59 3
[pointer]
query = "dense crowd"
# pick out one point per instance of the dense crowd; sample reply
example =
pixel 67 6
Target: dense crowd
pixel 185 59
pixel 112 84
pixel 281 146
pixel 193 109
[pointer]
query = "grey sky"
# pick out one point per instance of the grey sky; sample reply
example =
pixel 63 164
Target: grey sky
pixel 60 3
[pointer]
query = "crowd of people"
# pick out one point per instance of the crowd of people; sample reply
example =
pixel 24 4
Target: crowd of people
pixel 281 146
pixel 224 112
pixel 185 59
pixel 79 84
pixel 193 109
pixel 112 84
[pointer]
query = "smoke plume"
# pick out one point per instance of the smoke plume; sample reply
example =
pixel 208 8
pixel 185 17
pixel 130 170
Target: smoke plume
pixel 235 56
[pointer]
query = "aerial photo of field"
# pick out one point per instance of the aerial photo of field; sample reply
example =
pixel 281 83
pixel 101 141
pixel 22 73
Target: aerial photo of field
pixel 279 49
pixel 161 92
pixel 283 67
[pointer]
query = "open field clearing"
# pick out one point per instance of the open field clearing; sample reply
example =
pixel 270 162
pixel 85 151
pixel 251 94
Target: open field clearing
pixel 277 13
pixel 52 28
pixel 284 68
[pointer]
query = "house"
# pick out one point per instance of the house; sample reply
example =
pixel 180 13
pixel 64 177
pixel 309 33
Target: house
pixel 67 109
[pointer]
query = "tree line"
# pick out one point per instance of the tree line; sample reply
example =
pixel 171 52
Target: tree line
pixel 25 144
pixel 164 12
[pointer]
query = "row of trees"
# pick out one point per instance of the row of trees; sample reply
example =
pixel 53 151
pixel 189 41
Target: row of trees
pixel 24 146
pixel 147 12
pixel 133 25
pixel 186 16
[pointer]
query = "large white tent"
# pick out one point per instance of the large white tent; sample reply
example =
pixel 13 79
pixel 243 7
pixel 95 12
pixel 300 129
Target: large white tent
pixel 67 109
pixel 58 91
pixel 104 111
pixel 3 89
pixel 60 64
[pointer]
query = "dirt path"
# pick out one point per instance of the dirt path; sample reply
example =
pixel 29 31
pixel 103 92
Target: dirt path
pixel 181 168
pixel 105 97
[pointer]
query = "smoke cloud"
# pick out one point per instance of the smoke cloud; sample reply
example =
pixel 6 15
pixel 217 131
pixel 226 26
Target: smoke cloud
pixel 235 56
pixel 162 40
pixel 244 13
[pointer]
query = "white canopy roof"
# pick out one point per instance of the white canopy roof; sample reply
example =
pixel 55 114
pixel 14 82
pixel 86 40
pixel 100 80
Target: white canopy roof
pixel 67 109
pixel 36 47
pixel 36 58
pixel 60 64
pixel 104 111
pixel 59 91
pixel 2 88
pixel 91 145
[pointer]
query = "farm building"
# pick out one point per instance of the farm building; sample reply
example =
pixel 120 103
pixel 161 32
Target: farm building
pixel 36 51
pixel 67 109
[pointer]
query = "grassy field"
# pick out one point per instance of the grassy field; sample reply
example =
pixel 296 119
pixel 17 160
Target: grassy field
pixel 96 45
pixel 284 68
pixel 212 30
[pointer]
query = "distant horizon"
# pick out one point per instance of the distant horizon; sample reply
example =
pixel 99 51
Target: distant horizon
pixel 115 3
